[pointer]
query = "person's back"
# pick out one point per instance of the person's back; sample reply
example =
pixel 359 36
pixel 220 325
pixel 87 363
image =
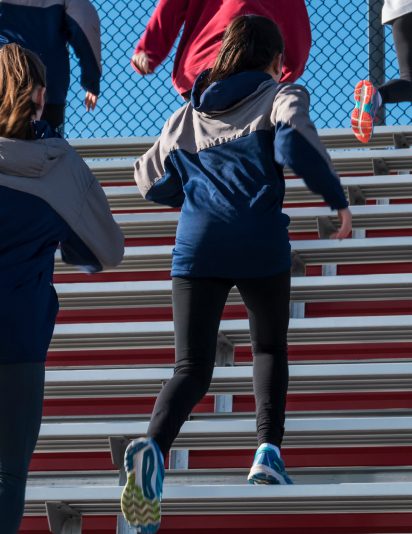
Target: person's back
pixel 46 28
pixel 221 158
pixel 204 25
pixel 48 197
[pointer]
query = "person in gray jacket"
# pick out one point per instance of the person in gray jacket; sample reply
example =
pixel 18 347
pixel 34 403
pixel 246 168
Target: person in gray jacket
pixel 221 158
pixel 48 197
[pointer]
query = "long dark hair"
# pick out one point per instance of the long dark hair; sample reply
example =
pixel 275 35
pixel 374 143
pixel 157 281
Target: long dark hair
pixel 21 71
pixel 250 42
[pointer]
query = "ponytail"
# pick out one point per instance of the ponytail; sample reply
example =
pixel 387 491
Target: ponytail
pixel 250 42
pixel 21 72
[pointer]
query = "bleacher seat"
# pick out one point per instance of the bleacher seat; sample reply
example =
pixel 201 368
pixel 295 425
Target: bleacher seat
pixel 348 440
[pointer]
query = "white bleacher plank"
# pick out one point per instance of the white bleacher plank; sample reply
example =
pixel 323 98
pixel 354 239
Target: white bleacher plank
pixel 109 147
pixel 151 294
pixel 201 499
pixel 331 137
pixel 383 136
pixel 343 377
pixel 390 186
pixel 312 252
pixel 351 161
pixel 231 476
pixel 150 225
pixel 232 433
pixel 115 336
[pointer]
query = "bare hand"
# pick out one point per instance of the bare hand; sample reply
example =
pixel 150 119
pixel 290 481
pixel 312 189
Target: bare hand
pixel 90 101
pixel 141 62
pixel 345 218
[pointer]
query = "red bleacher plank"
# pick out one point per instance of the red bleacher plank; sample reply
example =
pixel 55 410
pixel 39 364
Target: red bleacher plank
pixel 358 308
pixel 73 461
pixel 318 309
pixel 307 457
pixel 247 523
pixel 375 268
pixel 297 353
pixel 242 458
pixel 241 403
pixel 389 232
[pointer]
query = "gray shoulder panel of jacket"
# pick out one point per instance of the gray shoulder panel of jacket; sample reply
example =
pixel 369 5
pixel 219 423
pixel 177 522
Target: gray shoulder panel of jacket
pixel 35 3
pixel 291 107
pixel 192 131
pixel 86 16
pixel 74 193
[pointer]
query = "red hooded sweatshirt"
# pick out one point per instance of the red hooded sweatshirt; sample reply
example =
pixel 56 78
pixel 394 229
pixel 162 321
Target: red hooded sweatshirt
pixel 204 24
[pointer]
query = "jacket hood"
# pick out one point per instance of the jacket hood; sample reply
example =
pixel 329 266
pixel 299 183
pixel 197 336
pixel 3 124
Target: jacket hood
pixel 33 158
pixel 225 94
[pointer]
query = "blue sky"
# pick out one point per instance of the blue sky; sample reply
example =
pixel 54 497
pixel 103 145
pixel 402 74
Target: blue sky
pixel 131 105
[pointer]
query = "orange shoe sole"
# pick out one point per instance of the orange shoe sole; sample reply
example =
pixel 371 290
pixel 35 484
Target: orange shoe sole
pixel 362 118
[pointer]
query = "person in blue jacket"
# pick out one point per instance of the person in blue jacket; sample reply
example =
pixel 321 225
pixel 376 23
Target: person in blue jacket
pixel 46 27
pixel 220 158
pixel 47 196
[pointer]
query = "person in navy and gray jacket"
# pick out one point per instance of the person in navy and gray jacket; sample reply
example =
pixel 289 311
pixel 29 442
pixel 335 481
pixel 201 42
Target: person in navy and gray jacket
pixel 46 27
pixel 47 196
pixel 220 158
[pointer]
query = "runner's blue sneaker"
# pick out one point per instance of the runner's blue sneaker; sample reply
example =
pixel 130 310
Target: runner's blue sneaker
pixel 140 501
pixel 268 468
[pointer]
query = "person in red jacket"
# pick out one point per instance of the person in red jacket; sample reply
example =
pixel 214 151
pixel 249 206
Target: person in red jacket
pixel 204 25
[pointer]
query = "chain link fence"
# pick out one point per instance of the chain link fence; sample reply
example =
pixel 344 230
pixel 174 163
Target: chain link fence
pixel 349 44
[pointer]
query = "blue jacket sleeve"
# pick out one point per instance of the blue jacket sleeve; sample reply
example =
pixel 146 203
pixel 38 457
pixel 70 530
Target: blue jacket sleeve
pixel 298 146
pixel 83 30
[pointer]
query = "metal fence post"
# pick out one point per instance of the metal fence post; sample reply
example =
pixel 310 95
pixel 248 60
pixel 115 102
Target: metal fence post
pixel 376 38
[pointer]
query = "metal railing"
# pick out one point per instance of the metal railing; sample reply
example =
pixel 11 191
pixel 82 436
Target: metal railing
pixel 349 43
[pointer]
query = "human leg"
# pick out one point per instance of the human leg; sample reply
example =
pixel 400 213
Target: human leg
pixel 267 303
pixel 400 90
pixel 21 401
pixel 368 99
pixel 197 309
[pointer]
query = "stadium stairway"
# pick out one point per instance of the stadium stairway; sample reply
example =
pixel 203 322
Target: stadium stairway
pixel 348 442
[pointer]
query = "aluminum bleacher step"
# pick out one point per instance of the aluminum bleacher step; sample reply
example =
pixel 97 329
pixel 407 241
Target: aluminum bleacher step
pixel 312 252
pixel 292 508
pixel 130 382
pixel 383 136
pixel 229 476
pixel 116 336
pixel 150 294
pixel 368 161
pixel 128 197
pixel 231 433
pixel 149 225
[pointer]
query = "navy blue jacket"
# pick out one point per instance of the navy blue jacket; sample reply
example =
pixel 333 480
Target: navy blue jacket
pixel 46 27
pixel 47 196
pixel 221 159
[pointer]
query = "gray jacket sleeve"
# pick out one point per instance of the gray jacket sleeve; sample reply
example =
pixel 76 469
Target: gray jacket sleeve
pixel 156 176
pixel 95 234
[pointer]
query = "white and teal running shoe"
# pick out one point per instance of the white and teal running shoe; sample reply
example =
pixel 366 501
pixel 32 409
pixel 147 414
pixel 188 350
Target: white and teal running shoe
pixel 140 501
pixel 268 468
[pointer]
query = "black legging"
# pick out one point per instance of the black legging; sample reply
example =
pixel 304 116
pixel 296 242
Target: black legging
pixel 401 90
pixel 197 308
pixel 21 400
